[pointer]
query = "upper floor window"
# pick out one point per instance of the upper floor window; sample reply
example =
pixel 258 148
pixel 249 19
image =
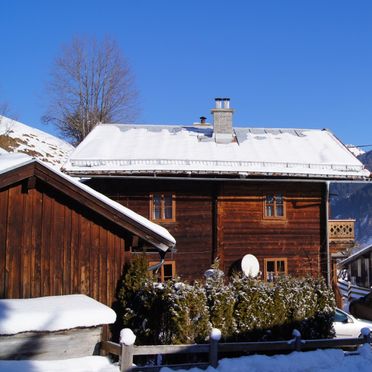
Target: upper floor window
pixel 274 206
pixel 162 207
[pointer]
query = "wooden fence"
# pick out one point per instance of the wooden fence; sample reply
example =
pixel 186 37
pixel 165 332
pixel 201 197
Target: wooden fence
pixel 127 350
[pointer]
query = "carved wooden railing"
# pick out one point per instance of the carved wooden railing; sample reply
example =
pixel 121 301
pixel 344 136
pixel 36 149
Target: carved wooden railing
pixel 341 230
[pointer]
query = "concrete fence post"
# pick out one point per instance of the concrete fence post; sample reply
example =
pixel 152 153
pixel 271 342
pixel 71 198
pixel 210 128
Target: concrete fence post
pixel 214 338
pixel 127 339
pixel 297 339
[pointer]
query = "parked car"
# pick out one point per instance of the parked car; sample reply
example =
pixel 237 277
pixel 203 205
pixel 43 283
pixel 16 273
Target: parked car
pixel 346 326
pixel 362 307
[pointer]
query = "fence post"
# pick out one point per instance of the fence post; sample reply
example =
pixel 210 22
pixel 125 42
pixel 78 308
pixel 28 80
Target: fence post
pixel 214 337
pixel 366 333
pixel 297 339
pixel 127 339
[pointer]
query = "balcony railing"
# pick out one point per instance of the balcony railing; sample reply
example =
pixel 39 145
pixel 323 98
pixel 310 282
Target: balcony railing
pixel 341 230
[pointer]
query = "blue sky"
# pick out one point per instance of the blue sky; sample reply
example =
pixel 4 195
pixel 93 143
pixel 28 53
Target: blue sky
pixel 283 63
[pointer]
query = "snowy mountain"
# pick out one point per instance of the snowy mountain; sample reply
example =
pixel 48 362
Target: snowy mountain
pixel 355 201
pixel 356 151
pixel 18 137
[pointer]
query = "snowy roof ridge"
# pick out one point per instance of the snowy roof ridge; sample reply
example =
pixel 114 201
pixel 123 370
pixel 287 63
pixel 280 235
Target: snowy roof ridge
pixel 7 164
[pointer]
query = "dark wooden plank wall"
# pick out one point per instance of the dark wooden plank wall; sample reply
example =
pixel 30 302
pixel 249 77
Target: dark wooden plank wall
pixel 299 237
pixel 53 245
pixel 225 219
pixel 194 225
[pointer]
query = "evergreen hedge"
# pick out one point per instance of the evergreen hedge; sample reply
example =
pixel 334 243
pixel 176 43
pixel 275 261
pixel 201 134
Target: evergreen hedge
pixel 244 309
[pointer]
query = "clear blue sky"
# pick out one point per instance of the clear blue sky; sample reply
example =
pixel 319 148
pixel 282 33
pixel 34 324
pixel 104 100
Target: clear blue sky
pixel 283 63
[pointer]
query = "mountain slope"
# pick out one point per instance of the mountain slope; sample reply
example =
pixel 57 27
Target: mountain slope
pixel 355 201
pixel 18 137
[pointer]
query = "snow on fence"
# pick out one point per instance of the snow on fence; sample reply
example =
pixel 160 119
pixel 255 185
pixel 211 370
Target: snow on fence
pixel 126 350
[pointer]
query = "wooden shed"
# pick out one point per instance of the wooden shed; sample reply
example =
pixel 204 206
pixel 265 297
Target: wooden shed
pixel 58 236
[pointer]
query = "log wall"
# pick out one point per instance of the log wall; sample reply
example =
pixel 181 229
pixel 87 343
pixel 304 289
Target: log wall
pixel 51 245
pixel 225 219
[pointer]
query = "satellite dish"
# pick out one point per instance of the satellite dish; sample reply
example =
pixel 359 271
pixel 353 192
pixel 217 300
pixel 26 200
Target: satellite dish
pixel 250 265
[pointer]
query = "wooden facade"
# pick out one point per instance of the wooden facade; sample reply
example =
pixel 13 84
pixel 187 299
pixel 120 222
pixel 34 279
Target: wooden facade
pixel 56 239
pixel 226 219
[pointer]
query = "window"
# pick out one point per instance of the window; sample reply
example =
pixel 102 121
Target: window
pixel 166 272
pixel 162 207
pixel 274 206
pixel 275 267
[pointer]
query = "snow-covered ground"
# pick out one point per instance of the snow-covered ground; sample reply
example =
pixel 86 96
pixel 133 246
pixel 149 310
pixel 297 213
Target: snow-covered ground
pixel 34 142
pixel 52 314
pixel 312 361
pixel 86 364
pixel 331 360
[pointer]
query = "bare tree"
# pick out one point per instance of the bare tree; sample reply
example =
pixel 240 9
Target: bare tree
pixel 90 83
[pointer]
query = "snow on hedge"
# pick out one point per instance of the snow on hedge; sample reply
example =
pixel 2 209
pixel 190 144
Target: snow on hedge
pixel 52 313
pixel 86 364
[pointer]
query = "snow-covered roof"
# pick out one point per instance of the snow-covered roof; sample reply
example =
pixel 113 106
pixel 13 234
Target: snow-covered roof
pixel 150 149
pixel 355 255
pixel 9 161
pixel 52 313
pixel 13 161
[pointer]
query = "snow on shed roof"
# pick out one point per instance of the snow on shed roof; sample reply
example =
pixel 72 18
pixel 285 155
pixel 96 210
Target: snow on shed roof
pixel 52 313
pixel 355 255
pixel 13 161
pixel 141 149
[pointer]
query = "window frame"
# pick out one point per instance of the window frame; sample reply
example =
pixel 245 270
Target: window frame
pixel 276 272
pixel 161 269
pixel 162 207
pixel 275 216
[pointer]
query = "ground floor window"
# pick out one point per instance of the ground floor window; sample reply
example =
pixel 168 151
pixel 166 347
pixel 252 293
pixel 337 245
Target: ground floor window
pixel 274 268
pixel 166 272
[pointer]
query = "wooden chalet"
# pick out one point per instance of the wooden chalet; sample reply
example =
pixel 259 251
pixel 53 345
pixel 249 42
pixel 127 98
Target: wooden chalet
pixel 224 192
pixel 58 236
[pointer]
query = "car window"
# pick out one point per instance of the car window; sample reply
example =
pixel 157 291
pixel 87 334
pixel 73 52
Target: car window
pixel 340 317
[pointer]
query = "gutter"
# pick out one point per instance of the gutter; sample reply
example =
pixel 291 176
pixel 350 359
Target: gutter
pixel 218 179
pixel 327 234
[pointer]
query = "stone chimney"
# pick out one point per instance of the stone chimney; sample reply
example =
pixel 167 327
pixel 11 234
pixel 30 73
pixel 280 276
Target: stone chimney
pixel 222 121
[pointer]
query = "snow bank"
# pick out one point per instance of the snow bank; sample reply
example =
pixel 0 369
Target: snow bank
pixel 311 361
pixel 52 314
pixel 86 364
